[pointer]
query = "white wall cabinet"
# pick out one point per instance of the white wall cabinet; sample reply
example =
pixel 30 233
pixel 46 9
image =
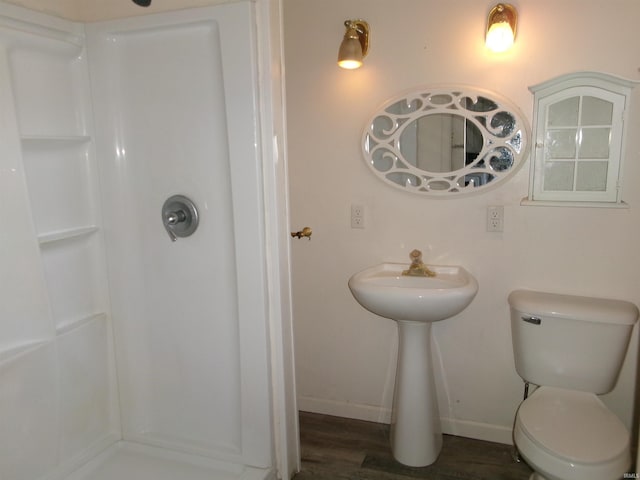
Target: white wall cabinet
pixel 579 132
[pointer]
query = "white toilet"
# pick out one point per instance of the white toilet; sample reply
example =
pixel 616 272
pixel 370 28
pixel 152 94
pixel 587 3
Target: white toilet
pixel 573 349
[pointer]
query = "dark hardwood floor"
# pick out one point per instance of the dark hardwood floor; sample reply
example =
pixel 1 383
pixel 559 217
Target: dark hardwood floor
pixel 336 448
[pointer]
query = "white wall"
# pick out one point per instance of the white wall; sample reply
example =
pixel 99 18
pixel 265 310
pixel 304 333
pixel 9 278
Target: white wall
pixel 94 10
pixel 345 355
pixel 60 8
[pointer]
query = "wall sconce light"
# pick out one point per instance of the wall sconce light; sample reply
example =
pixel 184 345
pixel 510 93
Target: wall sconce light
pixel 355 44
pixel 501 27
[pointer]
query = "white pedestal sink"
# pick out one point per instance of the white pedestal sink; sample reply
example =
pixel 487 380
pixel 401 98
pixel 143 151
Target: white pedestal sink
pixel 414 303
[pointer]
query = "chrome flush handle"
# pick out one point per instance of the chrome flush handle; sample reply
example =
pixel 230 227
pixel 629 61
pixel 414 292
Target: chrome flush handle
pixel 533 320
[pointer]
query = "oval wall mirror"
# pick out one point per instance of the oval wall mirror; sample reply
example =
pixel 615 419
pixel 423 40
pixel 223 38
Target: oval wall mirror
pixel 446 141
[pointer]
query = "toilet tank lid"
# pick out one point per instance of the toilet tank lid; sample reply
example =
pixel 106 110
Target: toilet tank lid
pixel 589 309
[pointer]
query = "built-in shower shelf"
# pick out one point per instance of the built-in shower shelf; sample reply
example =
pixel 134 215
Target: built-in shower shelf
pixel 9 354
pixel 69 234
pixel 54 141
pixel 69 325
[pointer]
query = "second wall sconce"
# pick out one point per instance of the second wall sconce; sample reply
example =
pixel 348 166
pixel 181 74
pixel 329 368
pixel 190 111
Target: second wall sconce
pixel 355 44
pixel 501 27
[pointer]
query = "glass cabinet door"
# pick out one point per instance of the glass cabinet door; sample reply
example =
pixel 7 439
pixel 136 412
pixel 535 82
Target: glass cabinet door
pixel 579 133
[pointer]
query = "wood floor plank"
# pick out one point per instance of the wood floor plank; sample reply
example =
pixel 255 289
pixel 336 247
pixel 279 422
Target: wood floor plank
pixel 335 448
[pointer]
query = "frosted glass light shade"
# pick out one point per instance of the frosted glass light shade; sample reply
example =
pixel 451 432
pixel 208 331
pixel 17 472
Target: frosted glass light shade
pixel 355 44
pixel 350 54
pixel 501 27
pixel 499 37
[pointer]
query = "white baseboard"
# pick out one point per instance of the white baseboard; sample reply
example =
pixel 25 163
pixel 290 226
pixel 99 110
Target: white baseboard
pixel 371 413
pixel 477 430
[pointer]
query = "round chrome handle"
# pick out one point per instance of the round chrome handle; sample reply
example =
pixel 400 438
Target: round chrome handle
pixel 179 217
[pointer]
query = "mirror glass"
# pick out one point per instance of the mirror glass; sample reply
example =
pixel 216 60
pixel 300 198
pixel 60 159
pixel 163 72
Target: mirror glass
pixel 445 141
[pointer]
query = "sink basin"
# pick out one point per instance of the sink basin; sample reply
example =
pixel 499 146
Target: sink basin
pixel 383 290
pixel 414 302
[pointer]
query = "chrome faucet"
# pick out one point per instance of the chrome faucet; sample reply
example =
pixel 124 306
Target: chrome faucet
pixel 417 268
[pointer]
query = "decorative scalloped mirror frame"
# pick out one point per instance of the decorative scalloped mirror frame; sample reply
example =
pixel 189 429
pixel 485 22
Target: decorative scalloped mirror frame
pixel 503 150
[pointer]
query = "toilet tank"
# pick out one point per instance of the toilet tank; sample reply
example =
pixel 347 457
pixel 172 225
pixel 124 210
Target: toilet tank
pixel 570 342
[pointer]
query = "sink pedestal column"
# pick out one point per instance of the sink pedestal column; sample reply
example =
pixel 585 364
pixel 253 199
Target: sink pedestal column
pixel 416 434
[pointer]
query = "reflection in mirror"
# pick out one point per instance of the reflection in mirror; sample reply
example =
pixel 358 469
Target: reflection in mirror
pixel 446 141
pixel 481 104
pixel 441 142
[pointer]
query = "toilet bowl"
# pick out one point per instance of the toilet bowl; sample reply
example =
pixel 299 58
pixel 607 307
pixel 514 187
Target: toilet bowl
pixel 572 348
pixel 570 435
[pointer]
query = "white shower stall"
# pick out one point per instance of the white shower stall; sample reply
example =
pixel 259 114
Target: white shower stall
pixel 123 353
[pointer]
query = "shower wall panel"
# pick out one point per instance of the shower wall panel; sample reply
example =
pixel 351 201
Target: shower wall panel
pixel 57 397
pixel 176 114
